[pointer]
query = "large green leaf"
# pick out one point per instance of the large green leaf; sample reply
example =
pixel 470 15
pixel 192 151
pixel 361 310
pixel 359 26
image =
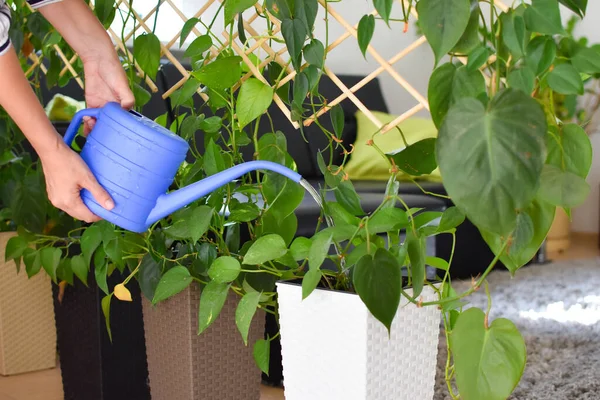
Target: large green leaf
pixel 213 159
pixel 300 248
pixel 224 269
pixel 146 50
pixel 306 11
pixel 233 7
pixel 262 354
pixel 346 195
pixel 417 252
pixel 253 100
pixel 378 281
pixel 33 263
pixel 15 247
pixel 513 33
pixel 469 40
pixel 587 60
pixel 386 220
pixel 571 150
pixel 198 46
pixel 187 29
pixel 105 10
pixel 565 79
pixel 467 83
pixel 245 311
pixel 294 34
pixel 172 282
pixel 149 276
pixel 443 23
pixel 522 79
pixel 563 188
pixel 541 52
pixel 319 250
pixel 439 91
pixel 314 53
pixel 266 248
pixel 577 6
pixel 489 361
pixel 191 224
pixel 418 158
pixel 211 303
pixel 543 16
pixel 364 33
pixel 80 269
pixel 310 281
pixel 503 154
pixel 50 257
pixel 220 74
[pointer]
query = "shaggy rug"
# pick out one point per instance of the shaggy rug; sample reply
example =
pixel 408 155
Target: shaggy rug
pixel 556 307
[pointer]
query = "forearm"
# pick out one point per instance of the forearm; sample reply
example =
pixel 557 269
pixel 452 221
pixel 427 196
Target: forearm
pixel 23 106
pixel 78 25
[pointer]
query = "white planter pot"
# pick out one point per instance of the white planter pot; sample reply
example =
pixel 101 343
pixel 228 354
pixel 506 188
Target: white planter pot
pixel 334 349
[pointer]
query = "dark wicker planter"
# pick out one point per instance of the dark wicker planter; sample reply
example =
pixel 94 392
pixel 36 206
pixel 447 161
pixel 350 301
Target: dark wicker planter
pixel 186 366
pixel 92 367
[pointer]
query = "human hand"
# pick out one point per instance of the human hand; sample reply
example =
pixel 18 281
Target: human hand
pixel 66 174
pixel 105 81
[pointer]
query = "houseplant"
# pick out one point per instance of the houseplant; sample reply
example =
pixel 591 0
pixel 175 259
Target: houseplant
pixel 519 170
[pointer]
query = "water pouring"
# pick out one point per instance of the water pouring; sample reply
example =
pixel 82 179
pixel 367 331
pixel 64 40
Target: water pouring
pixel 135 160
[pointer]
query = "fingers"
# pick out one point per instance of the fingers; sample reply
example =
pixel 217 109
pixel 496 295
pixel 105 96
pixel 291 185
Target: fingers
pixel 100 195
pixel 75 207
pixel 88 125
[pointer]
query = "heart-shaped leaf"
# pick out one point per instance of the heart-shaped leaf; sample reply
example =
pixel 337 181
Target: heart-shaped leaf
pixel 418 158
pixel 489 361
pixel 587 60
pixel 266 248
pixel 451 218
pixel 470 40
pixel 262 354
pixel 563 188
pixel 346 195
pixel 513 33
pixel 378 281
pixel 245 311
pixel 90 240
pixel 577 6
pixel 571 150
pixel 146 50
pixel 314 53
pixel 319 250
pixel 439 91
pixel 50 257
pixel 294 33
pixel 253 100
pixel 220 74
pixel 478 57
pixel 300 248
pixel 364 33
pixel 417 252
pixel 505 157
pixel 541 52
pixel 224 269
pixel 443 23
pixel 565 79
pixel 187 29
pixel 80 269
pixel 233 7
pixel 386 220
pixel 15 247
pixel 522 79
pixel 211 303
pixel 149 276
pixel 172 282
pixel 543 16
pixel 198 46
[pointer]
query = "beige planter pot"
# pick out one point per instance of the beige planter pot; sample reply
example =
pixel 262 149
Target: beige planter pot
pixel 183 365
pixel 27 326
pixel 559 237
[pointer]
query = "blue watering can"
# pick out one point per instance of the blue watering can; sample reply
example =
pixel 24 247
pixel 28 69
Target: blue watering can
pixel 135 160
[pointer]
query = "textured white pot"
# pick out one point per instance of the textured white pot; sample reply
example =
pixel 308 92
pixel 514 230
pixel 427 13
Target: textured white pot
pixel 334 349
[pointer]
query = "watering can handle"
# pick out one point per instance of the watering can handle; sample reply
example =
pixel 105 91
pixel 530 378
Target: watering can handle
pixel 76 122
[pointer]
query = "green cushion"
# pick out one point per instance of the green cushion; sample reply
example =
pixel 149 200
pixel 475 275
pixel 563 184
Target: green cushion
pixel 367 164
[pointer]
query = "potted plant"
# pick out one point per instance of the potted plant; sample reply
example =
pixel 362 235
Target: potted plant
pixel 506 161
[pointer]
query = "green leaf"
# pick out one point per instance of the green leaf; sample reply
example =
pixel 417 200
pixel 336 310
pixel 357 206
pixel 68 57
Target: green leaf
pixel 224 269
pixel 319 249
pixel 187 29
pixel 418 158
pixel 522 79
pixel 262 354
pixel 211 124
pixel 300 89
pixel 244 212
pixel 141 95
pixel 50 257
pixel 587 61
pixel 314 53
pixel 146 50
pixel 33 262
pixel 283 195
pixel 294 33
pixel 384 9
pixel 543 16
pixel 306 11
pixel 80 269
pixel 90 240
pixel 541 52
pixel 340 215
pixel 451 218
pixel 346 195
pixel 478 57
pixel 378 281
pixel 244 313
pixel 253 100
pixel 522 235
pixel 149 276
pixel 191 224
pixel 571 150
pixel 101 270
pixel 366 28
pixel 211 303
pixel 220 74
pixel 188 130
pixel 439 91
pixel 266 248
pixel 563 188
pixel 437 262
pixel 489 361
pixel 565 79
pixel 310 281
pixel 505 157
pixel 416 248
pixel 233 7
pixel 300 248
pixel 467 84
pixel 15 247
pixel 386 220
pixel 470 40
pixel 172 282
pixel 213 159
pixel 105 303
pixel 198 46
pixel 337 120
pixel 272 223
pixel 443 22
pixel 104 10
pixel 513 33
pixel 114 249
pixel 577 6
pixel 359 251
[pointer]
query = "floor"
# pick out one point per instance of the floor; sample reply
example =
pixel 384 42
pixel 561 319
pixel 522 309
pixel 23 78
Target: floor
pixel 46 385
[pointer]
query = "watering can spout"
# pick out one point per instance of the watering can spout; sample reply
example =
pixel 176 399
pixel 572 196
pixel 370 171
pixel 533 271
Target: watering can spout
pixel 168 203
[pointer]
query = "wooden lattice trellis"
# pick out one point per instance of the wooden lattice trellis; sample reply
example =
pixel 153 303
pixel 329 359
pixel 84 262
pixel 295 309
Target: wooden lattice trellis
pixel 261 42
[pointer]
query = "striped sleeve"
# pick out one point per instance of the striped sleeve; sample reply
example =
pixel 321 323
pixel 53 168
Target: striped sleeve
pixel 41 3
pixel 4 27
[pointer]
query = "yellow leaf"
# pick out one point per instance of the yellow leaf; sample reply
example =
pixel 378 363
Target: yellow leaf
pixel 122 293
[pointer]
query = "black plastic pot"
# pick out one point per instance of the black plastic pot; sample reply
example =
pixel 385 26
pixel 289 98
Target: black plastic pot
pixel 92 367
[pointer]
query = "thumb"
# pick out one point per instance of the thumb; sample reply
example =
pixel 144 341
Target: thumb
pixel 102 197
pixel 125 94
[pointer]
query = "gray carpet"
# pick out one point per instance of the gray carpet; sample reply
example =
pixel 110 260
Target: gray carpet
pixel 557 309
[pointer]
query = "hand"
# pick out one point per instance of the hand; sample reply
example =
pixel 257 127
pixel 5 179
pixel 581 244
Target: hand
pixel 105 81
pixel 66 174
